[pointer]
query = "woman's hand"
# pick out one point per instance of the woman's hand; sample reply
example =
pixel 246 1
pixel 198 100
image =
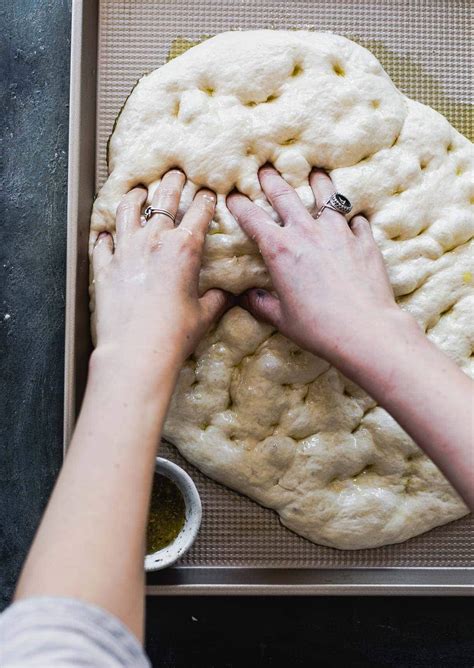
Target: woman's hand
pixel 147 302
pixel 329 276
pixel 149 318
pixel 333 298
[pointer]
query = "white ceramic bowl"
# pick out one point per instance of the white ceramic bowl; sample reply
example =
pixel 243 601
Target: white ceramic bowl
pixel 186 537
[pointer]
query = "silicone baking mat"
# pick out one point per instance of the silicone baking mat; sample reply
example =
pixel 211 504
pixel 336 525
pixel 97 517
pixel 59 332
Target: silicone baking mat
pixel 425 46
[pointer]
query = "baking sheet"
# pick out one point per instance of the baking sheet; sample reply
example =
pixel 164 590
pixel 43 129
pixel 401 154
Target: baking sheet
pixel 425 47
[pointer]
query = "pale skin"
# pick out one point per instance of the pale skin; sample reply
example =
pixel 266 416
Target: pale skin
pixel 332 297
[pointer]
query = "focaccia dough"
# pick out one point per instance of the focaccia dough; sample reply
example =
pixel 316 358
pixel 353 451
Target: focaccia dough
pixel 251 409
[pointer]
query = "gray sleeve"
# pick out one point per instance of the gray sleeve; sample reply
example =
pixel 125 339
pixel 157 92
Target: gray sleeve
pixel 58 632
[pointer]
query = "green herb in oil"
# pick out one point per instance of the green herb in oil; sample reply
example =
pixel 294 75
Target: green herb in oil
pixel 167 514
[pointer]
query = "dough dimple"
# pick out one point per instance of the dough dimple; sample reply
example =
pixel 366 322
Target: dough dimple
pixel 250 409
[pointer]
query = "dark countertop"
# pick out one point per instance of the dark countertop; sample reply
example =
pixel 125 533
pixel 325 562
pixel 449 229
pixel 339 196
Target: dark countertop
pixel 211 632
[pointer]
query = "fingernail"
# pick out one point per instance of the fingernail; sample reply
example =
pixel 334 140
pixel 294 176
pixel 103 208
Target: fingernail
pixel 101 236
pixel 209 197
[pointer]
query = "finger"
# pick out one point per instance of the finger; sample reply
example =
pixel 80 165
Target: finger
pixel 360 226
pixel 166 197
pixel 213 304
pixel 102 252
pixel 196 221
pixel 323 188
pixel 128 211
pixel 252 219
pixel 282 197
pixel 263 305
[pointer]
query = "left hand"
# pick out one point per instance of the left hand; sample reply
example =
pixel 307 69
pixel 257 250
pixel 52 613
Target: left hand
pixel 147 301
pixel 332 292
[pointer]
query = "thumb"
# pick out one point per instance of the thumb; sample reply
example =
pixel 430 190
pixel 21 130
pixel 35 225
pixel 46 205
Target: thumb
pixel 263 305
pixel 213 304
pixel 102 252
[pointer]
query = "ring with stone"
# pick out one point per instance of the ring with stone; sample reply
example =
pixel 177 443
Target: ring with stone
pixel 336 202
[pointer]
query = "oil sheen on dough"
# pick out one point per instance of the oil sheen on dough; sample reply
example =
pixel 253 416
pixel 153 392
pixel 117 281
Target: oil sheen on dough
pixel 250 409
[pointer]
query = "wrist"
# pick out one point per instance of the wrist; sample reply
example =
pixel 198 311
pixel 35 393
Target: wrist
pixel 145 371
pixel 371 354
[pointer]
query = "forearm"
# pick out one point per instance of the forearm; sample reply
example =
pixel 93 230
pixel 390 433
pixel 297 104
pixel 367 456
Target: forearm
pixel 428 395
pixel 90 543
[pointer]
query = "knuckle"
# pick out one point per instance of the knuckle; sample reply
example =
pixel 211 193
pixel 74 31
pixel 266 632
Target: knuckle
pixel 371 247
pixel 187 244
pixel 188 252
pixel 155 241
pixel 275 250
pixel 280 193
pixel 126 205
pixel 167 191
pixel 186 241
pixel 247 213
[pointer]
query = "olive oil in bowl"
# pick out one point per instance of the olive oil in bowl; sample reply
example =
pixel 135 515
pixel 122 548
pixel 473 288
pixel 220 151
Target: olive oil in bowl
pixel 167 514
pixel 174 517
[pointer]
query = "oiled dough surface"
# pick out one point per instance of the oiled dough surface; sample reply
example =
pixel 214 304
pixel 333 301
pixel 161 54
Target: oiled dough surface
pixel 251 409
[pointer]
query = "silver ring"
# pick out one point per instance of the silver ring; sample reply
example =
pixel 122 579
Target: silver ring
pixel 149 211
pixel 336 202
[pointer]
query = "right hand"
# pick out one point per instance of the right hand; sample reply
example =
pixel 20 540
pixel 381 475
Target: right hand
pixel 331 285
